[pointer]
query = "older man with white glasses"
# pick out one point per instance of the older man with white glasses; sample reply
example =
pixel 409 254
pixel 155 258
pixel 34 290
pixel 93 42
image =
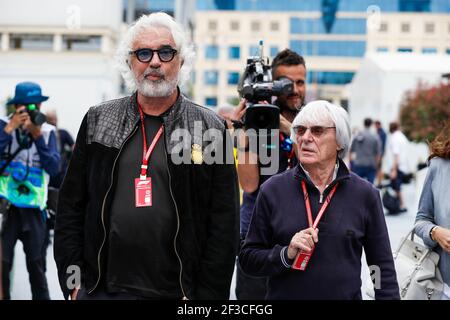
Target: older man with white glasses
pixel 311 223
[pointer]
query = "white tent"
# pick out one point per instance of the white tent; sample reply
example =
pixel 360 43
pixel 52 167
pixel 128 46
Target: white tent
pixel 383 78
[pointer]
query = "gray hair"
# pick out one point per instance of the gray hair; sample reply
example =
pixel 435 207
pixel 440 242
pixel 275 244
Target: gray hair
pixel 320 111
pixel 144 23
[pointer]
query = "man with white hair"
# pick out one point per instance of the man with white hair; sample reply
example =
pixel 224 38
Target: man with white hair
pixel 132 221
pixel 311 223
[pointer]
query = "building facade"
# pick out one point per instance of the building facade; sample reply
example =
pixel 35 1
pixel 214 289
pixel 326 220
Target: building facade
pixel 332 35
pixel 67 47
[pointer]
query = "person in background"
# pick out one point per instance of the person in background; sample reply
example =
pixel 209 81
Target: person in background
pixel 398 147
pixel 65 145
pixel 322 212
pixel 1 285
pixel 365 152
pixel 382 135
pixel 433 217
pixel 29 157
pixel 286 64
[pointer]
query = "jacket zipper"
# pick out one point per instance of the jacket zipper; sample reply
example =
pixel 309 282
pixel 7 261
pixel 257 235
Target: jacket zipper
pixel 178 225
pixel 103 209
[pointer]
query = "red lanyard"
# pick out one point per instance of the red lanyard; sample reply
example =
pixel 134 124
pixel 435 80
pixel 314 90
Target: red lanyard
pixel 147 152
pixel 314 224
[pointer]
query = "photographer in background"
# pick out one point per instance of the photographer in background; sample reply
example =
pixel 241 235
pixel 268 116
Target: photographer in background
pixel 287 64
pixel 29 156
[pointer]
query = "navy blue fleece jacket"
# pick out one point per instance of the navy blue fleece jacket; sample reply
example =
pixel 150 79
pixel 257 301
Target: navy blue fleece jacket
pixel 354 220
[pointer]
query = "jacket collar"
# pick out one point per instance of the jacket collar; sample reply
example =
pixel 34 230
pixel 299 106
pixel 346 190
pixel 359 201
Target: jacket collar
pixel 173 113
pixel 342 174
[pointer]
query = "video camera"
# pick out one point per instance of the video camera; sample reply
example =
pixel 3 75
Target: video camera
pixel 256 85
pixel 37 117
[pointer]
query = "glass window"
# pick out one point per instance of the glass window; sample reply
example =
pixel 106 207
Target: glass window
pixel 383 27
pixel 38 42
pixel 144 7
pixel 414 5
pixel 212 25
pixel 81 43
pixel 274 26
pixel 329 77
pixel 404 27
pixel 253 51
pixel 234 52
pixel 255 26
pixel 273 51
pixel 234 25
pixel 316 26
pixel 233 77
pixel 362 5
pixel 329 48
pixel 404 50
pixel 211 101
pixel 211 77
pixel 429 27
pixel 216 4
pixel 286 5
pixel 429 50
pixel 212 52
pixel 382 49
pixel 302 5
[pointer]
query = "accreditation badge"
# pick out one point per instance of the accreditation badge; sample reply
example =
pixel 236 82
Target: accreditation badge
pixel 143 192
pixel 302 260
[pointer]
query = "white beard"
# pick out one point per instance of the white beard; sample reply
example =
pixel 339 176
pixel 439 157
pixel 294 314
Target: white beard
pixel 155 89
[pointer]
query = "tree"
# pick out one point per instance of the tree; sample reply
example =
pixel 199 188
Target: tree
pixel 424 111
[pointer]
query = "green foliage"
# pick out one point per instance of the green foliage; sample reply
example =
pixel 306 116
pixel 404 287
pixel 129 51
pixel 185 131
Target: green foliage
pixel 424 111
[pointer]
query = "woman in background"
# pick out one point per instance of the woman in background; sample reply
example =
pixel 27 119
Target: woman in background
pixel 433 217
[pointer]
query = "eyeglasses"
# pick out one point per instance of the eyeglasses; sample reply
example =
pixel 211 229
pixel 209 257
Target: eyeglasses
pixel 316 131
pixel 145 55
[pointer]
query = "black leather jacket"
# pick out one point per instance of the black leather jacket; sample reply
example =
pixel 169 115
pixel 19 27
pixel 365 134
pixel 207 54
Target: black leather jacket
pixel 206 198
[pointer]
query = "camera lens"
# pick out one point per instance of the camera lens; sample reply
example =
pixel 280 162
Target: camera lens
pixel 263 120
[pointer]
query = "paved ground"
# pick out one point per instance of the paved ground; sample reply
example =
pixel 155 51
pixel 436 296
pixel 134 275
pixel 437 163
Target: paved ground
pixel 398 225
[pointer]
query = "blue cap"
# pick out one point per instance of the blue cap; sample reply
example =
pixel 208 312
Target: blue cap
pixel 26 93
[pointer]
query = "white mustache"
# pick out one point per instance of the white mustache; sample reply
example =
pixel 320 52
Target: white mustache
pixel 154 73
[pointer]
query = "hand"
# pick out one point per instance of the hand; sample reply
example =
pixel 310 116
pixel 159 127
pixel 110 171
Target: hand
pixel 393 174
pixel 303 240
pixel 238 112
pixel 18 119
pixel 34 130
pixel 285 125
pixel 442 236
pixel 74 294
